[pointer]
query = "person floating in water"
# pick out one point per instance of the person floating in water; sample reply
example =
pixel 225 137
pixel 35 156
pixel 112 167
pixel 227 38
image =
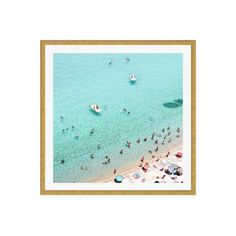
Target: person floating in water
pixel 92 132
pixel 92 156
pixel 106 157
pixel 128 113
pixel 62 161
pixel 153 136
pixel 127 59
pixel 128 144
pixel 163 130
pixel 61 117
pixel 124 110
pixel 138 141
pixel 145 139
pixel 110 62
pixel 121 151
pixel 99 146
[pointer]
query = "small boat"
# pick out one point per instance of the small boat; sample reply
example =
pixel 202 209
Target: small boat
pixel 95 107
pixel 132 78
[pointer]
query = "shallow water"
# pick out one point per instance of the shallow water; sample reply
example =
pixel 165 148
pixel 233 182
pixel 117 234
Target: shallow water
pixel 84 79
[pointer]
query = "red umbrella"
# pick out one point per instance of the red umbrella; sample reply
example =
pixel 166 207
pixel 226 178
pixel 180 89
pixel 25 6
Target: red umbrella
pixel 179 154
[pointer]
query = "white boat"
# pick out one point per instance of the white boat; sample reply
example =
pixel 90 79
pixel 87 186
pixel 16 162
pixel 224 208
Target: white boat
pixel 95 107
pixel 132 78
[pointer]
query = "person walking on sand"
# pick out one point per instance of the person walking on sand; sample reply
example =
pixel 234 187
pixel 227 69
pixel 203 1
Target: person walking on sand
pixel 114 171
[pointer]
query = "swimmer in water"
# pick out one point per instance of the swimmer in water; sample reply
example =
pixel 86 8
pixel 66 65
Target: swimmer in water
pixel 169 140
pixel 76 137
pixel 127 59
pixel 163 130
pixel 153 134
pixel 92 132
pixel 138 141
pixel 99 146
pixel 72 127
pixel 63 131
pixel 62 161
pixel 128 113
pixel 156 142
pixel 129 145
pixel 61 117
pixel 156 149
pixel 124 110
pixel 145 139
pixel 106 157
pixel 110 63
pixel 150 151
pixel 168 128
pixel 92 156
pixel 121 151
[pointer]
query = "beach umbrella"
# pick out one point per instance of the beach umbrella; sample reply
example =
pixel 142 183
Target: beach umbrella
pixel 118 179
pixel 179 154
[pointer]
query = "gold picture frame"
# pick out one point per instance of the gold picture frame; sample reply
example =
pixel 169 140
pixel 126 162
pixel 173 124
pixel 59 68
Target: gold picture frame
pixel 44 43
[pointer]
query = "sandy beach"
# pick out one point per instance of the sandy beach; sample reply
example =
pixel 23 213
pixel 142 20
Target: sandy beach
pixel 159 169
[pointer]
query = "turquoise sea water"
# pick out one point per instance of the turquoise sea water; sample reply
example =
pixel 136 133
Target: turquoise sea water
pixel 83 79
